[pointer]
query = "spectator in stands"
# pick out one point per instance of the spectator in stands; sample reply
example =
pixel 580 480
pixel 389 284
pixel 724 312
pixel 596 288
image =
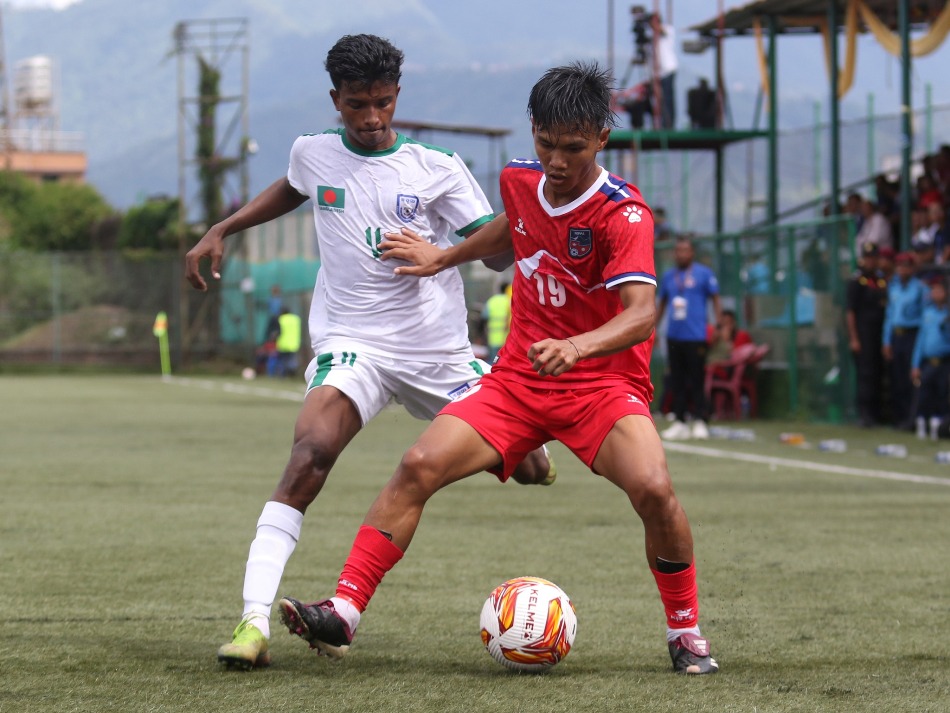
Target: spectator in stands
pixel 887 193
pixel 936 227
pixel 662 230
pixel 930 362
pixel 687 288
pixel 885 263
pixel 875 229
pixel 757 276
pixel 927 192
pixel 701 106
pixel 906 295
pixel 942 167
pixel 724 337
pixel 920 235
pixel 866 301
pixel 854 207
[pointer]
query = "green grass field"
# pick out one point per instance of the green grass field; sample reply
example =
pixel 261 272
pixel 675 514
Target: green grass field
pixel 129 504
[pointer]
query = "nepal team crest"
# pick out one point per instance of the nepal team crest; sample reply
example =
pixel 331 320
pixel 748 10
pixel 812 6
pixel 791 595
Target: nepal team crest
pixel 580 241
pixel 406 207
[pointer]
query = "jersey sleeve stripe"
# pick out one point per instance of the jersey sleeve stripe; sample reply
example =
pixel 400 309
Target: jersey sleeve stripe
pixel 462 232
pixel 617 280
pixel 531 163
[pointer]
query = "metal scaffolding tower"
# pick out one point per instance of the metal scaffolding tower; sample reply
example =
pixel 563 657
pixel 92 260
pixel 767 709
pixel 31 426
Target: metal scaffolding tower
pixel 218 48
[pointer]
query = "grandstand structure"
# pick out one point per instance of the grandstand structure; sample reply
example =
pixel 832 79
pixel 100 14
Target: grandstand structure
pixel 786 280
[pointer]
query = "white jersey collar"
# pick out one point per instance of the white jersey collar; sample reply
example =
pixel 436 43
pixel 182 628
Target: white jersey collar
pixel 580 200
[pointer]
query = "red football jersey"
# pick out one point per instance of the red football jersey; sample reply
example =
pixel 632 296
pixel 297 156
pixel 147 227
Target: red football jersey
pixel 569 262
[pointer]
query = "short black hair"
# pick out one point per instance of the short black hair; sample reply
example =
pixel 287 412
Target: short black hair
pixel 361 60
pixel 574 97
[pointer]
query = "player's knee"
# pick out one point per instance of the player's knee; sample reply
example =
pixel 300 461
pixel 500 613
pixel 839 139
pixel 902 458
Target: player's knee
pixel 653 496
pixel 309 457
pixel 418 473
pixel 306 473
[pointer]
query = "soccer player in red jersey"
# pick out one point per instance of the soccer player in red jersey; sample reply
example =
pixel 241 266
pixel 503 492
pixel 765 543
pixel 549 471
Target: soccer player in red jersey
pixel 575 367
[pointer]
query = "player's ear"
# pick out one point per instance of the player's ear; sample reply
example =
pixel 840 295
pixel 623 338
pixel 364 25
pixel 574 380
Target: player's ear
pixel 335 96
pixel 602 139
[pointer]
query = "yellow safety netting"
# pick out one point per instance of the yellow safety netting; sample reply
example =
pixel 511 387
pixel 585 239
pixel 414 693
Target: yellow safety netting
pixel 846 75
pixel 891 41
pixel 760 53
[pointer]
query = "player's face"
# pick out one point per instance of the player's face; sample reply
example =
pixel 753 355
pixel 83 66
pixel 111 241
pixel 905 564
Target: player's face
pixel 569 160
pixel 367 113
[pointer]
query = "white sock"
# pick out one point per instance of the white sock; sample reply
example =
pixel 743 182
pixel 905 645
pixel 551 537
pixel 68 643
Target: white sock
pixel 350 614
pixel 675 633
pixel 278 530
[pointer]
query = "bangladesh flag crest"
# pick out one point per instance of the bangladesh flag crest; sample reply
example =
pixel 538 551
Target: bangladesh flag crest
pixel 331 198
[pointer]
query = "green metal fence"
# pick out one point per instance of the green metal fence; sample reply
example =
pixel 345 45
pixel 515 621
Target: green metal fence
pixel 787 286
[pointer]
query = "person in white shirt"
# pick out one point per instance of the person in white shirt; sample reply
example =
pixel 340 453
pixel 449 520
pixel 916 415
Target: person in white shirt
pixel 875 230
pixel 665 64
pixel 376 336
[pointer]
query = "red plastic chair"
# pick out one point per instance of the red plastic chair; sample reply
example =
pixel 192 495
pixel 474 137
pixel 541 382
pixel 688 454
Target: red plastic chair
pixel 724 380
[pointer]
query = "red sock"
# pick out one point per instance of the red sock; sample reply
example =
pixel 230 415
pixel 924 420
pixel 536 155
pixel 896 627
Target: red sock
pixel 678 594
pixel 371 556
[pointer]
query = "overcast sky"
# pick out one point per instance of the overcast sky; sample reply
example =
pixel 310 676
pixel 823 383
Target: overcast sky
pixel 801 65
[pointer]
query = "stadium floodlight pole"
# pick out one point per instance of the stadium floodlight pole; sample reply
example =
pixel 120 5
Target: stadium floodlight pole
pixel 907 135
pixel 834 106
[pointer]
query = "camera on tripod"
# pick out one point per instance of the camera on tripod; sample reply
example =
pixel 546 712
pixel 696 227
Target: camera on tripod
pixel 642 33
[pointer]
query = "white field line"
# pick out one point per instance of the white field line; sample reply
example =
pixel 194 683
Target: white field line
pixel 264 392
pixel 240 389
pixel 804 464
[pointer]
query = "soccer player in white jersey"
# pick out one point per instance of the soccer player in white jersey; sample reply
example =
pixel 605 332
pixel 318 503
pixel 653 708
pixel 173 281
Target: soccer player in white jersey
pixel 376 336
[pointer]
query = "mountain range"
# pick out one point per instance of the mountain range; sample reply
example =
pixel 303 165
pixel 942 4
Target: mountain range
pixel 466 63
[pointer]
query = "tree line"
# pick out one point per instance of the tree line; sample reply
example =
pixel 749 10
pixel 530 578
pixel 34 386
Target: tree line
pixel 62 216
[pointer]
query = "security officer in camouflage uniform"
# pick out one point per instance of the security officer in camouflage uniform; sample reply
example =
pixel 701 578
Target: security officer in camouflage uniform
pixel 866 303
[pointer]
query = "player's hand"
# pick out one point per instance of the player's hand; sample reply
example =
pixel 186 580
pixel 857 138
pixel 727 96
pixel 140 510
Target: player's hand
pixel 211 245
pixel 915 377
pixel 855 346
pixel 410 246
pixel 887 352
pixel 552 357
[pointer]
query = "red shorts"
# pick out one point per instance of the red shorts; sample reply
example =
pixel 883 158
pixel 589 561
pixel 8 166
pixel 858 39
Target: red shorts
pixel 515 419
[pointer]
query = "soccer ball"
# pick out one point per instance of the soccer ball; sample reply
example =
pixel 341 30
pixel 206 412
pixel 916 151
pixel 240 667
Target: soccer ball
pixel 528 624
pixel 248 373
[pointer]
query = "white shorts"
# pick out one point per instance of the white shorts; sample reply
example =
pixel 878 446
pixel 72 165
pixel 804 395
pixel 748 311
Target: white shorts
pixel 371 381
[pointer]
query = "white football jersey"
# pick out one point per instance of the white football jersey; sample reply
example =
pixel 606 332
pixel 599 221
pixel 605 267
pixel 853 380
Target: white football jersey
pixel 358 196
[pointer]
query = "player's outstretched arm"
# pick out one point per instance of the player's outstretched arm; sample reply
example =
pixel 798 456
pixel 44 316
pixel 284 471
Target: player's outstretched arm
pixel 274 201
pixel 634 325
pixel 428 259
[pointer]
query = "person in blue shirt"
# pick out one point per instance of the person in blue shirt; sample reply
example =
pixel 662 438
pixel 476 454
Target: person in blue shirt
pixel 906 296
pixel 930 362
pixel 687 289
